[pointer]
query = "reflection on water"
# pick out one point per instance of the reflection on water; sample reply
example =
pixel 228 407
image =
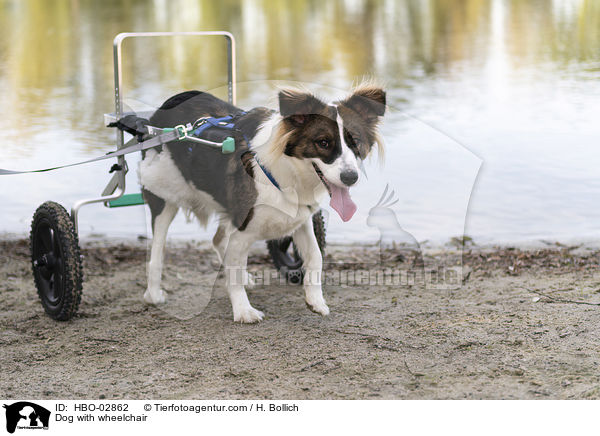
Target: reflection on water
pixel 515 81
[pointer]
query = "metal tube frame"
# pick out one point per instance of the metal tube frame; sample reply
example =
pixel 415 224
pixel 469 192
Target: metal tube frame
pixel 117 43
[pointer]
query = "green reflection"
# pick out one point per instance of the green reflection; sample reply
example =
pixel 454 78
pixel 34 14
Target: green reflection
pixel 56 55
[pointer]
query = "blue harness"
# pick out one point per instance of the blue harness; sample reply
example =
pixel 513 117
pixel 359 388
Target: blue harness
pixel 223 123
pixel 227 123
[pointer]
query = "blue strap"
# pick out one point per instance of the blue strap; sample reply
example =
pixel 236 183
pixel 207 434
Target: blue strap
pixel 267 173
pixel 215 122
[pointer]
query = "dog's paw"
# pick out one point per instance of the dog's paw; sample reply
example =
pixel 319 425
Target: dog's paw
pixel 248 315
pixel 318 306
pixel 159 297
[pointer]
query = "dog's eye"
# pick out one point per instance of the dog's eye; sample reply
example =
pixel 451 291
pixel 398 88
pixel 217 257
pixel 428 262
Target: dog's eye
pixel 323 143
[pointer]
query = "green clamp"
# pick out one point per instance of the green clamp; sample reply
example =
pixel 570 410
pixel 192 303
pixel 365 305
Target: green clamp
pixel 228 145
pixel 180 129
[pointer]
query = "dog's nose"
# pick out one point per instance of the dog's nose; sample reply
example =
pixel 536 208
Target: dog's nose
pixel 349 177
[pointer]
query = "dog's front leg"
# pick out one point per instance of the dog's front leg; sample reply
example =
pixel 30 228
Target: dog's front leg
pixel 236 276
pixel 220 241
pixel 306 241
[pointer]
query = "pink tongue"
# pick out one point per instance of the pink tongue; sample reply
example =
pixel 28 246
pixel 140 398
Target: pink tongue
pixel 341 202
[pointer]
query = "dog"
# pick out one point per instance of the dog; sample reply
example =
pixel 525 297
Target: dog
pixel 284 164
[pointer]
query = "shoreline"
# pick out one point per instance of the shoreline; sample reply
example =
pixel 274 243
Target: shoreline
pixel 523 324
pixel 586 243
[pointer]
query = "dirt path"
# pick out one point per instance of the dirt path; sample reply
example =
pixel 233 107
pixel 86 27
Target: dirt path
pixel 509 332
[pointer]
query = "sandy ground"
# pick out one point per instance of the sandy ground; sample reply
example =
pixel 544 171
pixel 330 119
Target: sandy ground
pixel 525 324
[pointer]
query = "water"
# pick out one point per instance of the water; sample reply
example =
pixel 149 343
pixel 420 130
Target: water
pixel 492 128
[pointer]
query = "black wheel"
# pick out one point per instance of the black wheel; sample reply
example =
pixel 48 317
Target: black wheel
pixel 285 256
pixel 56 261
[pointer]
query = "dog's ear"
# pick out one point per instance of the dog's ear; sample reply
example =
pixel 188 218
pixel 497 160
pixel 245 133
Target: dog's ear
pixel 368 101
pixel 298 106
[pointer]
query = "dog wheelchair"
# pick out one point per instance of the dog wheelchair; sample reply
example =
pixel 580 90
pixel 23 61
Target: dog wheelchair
pixel 54 242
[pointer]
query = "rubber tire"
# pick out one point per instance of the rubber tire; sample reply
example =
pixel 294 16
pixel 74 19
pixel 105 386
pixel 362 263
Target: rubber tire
pixel 291 265
pixel 64 237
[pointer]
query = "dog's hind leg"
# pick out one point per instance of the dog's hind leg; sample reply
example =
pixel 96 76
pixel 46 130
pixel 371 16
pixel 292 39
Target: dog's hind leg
pixel 162 216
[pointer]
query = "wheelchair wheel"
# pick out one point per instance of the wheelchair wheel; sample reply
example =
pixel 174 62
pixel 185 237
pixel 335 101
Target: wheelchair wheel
pixel 56 261
pixel 285 255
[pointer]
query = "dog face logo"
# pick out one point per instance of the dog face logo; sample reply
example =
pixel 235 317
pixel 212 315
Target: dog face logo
pixel 26 415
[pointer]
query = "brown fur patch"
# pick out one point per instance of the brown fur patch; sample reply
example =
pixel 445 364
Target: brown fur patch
pixel 310 124
pixel 247 159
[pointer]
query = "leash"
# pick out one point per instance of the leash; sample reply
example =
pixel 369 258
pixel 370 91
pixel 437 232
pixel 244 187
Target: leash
pixel 161 137
pixel 136 146
pixel 139 127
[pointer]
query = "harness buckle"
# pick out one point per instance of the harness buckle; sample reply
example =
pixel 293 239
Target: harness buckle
pixel 181 131
pixel 199 122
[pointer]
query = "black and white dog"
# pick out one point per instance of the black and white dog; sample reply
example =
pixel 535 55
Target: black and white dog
pixel 285 162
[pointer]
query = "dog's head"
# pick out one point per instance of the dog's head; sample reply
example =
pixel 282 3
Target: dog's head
pixel 334 137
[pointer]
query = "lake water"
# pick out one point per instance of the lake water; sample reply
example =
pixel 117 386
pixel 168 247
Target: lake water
pixel 492 129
